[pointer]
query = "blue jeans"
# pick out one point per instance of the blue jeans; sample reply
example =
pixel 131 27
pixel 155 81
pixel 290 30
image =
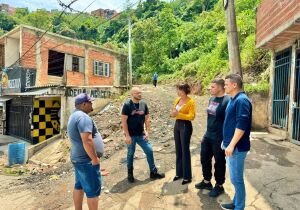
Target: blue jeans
pixel 147 148
pixel 236 170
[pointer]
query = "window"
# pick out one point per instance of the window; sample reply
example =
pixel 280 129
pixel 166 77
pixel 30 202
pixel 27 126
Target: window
pixel 101 69
pixel 75 63
pixel 107 69
pixel 56 62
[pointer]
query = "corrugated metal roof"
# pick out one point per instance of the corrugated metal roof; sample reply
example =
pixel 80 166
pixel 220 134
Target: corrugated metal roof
pixel 32 93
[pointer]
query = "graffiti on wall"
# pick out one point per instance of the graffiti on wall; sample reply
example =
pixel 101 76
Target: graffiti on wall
pixel 15 80
pixel 4 78
pixel 46 118
pixel 95 93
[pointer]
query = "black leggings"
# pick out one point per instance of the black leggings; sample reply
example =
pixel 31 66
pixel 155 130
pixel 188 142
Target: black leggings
pixel 182 134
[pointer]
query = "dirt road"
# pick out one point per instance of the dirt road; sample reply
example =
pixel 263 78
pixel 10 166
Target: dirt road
pixel 52 190
pixel 272 170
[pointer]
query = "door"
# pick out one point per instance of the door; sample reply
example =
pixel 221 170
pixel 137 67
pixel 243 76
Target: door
pixel 296 103
pixel 281 92
pixel 18 117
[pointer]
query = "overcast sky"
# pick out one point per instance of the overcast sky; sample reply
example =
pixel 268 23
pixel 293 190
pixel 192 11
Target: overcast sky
pixel 79 5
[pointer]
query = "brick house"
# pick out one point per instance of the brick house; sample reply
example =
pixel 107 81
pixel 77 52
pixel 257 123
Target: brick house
pixel 42 76
pixel 104 13
pixel 8 9
pixel 278 29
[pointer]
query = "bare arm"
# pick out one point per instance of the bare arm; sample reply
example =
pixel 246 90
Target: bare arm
pixel 238 134
pixel 147 123
pixel 125 128
pixel 89 147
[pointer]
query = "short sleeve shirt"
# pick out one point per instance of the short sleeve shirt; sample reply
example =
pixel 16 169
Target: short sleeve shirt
pixel 79 122
pixel 136 113
pixel 215 117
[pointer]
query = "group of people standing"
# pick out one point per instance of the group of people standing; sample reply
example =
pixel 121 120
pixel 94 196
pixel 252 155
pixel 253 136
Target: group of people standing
pixel 226 139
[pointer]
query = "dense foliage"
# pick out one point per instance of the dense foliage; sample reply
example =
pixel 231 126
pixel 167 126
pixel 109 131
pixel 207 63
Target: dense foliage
pixel 182 39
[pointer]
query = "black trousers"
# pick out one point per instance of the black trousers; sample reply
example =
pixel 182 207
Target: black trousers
pixel 212 148
pixel 182 134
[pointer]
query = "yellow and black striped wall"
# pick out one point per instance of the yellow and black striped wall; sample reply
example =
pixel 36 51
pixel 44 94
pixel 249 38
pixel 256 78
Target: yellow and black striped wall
pixel 45 118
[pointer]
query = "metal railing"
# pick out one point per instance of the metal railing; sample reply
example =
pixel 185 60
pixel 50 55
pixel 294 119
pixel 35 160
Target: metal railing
pixel 280 99
pixel 296 104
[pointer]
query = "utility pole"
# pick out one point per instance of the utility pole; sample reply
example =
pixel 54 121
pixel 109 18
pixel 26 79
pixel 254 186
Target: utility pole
pixel 129 53
pixel 232 37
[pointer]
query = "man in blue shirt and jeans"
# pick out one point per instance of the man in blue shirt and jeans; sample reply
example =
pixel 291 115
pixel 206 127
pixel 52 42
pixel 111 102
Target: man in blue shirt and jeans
pixel 236 137
pixel 83 153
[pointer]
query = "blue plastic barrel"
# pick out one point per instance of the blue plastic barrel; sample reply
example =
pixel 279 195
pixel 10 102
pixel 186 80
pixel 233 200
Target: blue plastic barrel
pixel 16 153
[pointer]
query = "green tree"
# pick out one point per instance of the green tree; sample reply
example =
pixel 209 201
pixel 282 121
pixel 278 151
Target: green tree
pixel 39 19
pixel 20 13
pixel 146 35
pixel 7 23
pixel 168 23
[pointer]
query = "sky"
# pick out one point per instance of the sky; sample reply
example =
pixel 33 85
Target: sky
pixel 80 5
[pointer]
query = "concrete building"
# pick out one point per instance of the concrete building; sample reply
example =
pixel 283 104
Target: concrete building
pixel 104 13
pixel 8 9
pixel 278 29
pixel 42 74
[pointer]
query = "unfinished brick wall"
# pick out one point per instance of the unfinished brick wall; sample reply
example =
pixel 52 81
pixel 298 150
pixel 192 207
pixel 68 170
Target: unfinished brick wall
pixel 273 14
pixel 28 60
pixel 75 78
pixel 67 47
pixel 100 80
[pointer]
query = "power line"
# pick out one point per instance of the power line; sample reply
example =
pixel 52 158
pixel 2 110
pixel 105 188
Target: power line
pixel 68 6
pixel 34 54
pixel 72 21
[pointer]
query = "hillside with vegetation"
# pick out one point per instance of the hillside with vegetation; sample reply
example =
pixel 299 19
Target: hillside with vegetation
pixel 181 39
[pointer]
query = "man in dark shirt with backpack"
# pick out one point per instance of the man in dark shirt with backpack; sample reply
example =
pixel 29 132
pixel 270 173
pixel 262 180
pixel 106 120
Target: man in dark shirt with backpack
pixel 135 114
pixel 211 143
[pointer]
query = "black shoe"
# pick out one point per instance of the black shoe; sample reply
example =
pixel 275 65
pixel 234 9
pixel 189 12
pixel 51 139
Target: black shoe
pixel 155 175
pixel 186 181
pixel 227 206
pixel 216 191
pixel 130 175
pixel 202 185
pixel 176 178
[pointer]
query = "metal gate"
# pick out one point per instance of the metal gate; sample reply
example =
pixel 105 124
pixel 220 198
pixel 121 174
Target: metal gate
pixel 280 101
pixel 296 103
pixel 18 117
